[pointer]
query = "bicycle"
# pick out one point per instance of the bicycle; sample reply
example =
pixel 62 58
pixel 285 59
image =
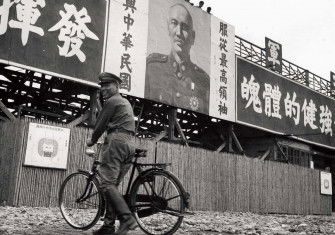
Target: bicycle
pixel 156 197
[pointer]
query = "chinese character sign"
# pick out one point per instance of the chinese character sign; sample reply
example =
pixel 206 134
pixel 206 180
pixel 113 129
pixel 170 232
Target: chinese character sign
pixel 62 38
pixel 127 44
pixel 222 86
pixel 73 31
pixel 273 55
pixel 268 101
pixel 332 84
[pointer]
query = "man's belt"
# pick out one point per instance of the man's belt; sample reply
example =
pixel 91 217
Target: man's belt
pixel 123 131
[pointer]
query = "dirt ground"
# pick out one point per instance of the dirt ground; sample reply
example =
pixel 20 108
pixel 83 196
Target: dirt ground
pixel 48 221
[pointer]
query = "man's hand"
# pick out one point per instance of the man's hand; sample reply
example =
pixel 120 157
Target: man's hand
pixel 89 143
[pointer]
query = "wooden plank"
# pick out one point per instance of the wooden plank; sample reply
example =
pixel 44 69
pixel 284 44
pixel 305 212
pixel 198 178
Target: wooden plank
pixel 6 111
pixel 160 136
pixel 252 186
pixel 18 155
pixel 232 184
pixel 266 154
pixel 267 192
pixel 3 118
pixel 221 147
pixel 5 161
pixel 180 131
pixel 224 178
pixel 78 120
pixel 285 187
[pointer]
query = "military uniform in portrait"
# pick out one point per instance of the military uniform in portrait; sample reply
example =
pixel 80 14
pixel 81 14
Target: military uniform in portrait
pixel 183 85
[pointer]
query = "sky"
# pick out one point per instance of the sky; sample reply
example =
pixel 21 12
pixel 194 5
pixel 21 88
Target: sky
pixel 305 28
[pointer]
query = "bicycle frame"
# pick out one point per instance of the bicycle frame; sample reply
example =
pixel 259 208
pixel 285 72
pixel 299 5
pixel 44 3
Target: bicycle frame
pixel 139 167
pixel 141 174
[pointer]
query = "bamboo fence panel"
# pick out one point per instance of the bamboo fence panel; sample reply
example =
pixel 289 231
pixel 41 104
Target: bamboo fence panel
pixel 7 144
pixel 215 181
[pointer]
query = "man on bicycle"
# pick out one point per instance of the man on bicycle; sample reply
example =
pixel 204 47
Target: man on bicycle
pixel 117 119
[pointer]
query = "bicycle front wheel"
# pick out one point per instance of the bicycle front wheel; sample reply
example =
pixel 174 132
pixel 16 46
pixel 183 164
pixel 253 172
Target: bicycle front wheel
pixel 157 203
pixel 80 200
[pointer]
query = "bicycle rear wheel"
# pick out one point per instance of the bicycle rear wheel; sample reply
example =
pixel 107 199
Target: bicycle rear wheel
pixel 80 200
pixel 157 203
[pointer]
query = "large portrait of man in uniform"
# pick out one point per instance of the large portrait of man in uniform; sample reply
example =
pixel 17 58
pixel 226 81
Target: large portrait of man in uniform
pixel 176 66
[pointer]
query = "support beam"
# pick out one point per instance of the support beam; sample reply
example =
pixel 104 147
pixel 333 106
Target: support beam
pixel 266 154
pixel 224 141
pixel 221 147
pixel 160 136
pixel 172 116
pixel 230 139
pixel 6 111
pixel 79 120
pixel 281 151
pixel 237 142
pixel 173 123
pixel 41 112
pixel 181 132
pixel 95 107
pixel 3 119
pixel 233 138
pixel 139 116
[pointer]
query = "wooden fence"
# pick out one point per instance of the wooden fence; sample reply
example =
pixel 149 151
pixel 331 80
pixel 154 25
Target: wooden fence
pixel 216 181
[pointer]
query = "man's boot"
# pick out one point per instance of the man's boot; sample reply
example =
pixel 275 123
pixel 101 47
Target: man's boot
pixel 105 230
pixel 127 222
pixel 109 221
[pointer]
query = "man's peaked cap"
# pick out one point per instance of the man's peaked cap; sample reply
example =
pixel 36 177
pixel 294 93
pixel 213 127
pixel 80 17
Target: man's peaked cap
pixel 106 77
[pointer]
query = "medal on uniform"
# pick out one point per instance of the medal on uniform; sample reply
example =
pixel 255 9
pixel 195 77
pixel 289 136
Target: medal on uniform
pixel 194 103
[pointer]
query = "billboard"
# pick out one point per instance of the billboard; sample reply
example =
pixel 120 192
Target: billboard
pixel 173 53
pixel 272 102
pixel 166 51
pixel 61 38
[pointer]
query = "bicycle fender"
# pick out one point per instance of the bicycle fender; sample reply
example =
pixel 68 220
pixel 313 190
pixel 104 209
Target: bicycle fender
pixel 148 171
pixel 103 199
pixel 83 171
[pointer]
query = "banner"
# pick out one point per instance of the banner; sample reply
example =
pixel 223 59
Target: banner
pixel 271 102
pixel 222 82
pixel 47 146
pixel 62 38
pixel 127 44
pixel 165 51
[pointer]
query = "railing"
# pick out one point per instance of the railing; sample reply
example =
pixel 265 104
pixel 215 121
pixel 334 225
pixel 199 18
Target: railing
pixel 292 71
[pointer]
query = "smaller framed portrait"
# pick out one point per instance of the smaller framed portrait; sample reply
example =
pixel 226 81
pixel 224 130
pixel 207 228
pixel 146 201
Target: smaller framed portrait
pixel 326 183
pixel 47 146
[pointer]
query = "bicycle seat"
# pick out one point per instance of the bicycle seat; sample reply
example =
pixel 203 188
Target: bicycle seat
pixel 141 152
